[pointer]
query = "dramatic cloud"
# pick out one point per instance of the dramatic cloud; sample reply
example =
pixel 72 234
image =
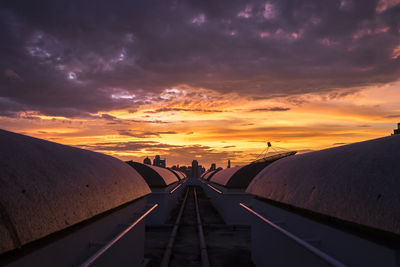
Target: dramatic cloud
pixel 174 153
pixel 270 109
pixel 75 58
pixel 205 80
pixel 138 134
pixel 160 110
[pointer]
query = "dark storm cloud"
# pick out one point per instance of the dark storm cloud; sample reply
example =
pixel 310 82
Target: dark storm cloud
pixel 270 109
pixel 73 58
pixel 161 110
pixel 393 116
pixel 108 116
pixel 139 134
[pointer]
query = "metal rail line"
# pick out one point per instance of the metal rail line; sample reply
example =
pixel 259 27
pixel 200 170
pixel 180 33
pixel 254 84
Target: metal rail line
pixel 170 245
pixel 203 247
pixel 299 241
pixel 100 252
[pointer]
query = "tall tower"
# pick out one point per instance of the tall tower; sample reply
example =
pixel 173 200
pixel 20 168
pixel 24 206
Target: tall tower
pixel 213 167
pixel 156 161
pixel 195 169
pixel 229 163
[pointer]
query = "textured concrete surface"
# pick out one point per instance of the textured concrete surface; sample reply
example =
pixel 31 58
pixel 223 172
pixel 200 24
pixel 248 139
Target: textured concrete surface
pixel 178 174
pixel 209 175
pixel 46 187
pixel 205 173
pixel 175 173
pixel 154 176
pixel 222 177
pixel 181 174
pixel 168 177
pixel 359 183
pixel 243 177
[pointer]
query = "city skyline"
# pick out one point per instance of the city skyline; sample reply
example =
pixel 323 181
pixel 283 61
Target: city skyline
pixel 200 80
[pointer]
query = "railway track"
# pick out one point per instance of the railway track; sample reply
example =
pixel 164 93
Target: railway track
pixel 187 242
pixel 196 235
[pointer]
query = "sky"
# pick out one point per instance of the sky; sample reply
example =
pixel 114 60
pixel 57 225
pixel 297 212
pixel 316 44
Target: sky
pixel 200 79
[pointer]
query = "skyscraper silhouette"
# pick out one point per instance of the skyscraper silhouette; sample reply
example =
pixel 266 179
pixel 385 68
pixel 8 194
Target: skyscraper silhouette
pixel 195 169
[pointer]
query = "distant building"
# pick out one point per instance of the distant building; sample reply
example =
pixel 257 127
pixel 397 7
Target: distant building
pixel 189 171
pixel 397 131
pixel 229 163
pixel 159 161
pixel 195 169
pixel 200 170
pixel 147 161
pixel 213 167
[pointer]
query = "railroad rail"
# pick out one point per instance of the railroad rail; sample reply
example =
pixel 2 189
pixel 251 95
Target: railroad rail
pixel 165 262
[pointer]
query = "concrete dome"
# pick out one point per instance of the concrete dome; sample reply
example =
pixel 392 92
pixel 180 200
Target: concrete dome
pixel 154 176
pixel 222 177
pixel 179 174
pixel 210 174
pixel 183 175
pixel 205 173
pixel 175 173
pixel 357 183
pixel 46 187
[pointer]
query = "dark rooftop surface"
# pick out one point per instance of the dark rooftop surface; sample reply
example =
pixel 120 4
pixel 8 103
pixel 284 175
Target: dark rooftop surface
pixel 358 183
pixel 46 187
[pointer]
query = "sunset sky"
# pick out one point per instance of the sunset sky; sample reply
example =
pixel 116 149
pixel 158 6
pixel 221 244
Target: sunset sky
pixel 206 80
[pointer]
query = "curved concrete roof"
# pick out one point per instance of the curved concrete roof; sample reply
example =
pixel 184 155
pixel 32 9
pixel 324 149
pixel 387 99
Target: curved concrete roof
pixel 46 187
pixel 204 174
pixel 178 175
pixel 183 174
pixel 242 177
pixel 358 183
pixel 154 176
pixel 222 177
pixel 209 175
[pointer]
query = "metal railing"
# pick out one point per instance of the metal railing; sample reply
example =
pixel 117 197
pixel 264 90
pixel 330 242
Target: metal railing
pixel 176 187
pixel 322 255
pixel 215 189
pixel 108 245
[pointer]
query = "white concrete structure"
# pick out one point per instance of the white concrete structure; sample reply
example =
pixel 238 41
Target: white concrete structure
pixel 342 201
pixel 58 204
